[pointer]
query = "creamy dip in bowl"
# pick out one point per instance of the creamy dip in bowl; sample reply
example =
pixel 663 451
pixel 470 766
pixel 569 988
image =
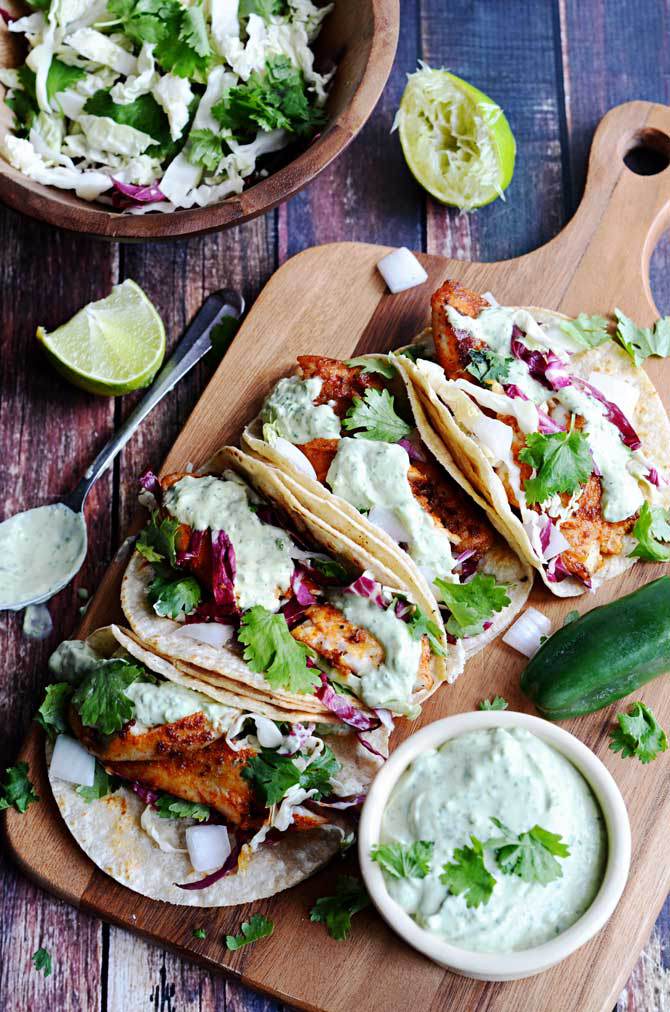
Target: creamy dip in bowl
pixel 524 844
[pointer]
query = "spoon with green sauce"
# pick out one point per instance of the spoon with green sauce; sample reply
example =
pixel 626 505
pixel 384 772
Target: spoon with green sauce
pixel 42 549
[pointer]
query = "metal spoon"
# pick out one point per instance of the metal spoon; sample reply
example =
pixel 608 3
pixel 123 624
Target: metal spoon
pixel 42 549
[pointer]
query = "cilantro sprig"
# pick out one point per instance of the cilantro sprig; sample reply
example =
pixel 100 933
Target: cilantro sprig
pixel 103 784
pixel 269 649
pixel 420 625
pixel 375 415
pixel 174 598
pixel 272 774
pixel 497 703
pixel 274 98
pixel 42 961
pixel 373 364
pixel 157 541
pixel 404 861
pixel 253 930
pixel 562 462
pixel 467 874
pixel 100 698
pixel 488 366
pixel 589 331
pixel 642 342
pixel 652 531
pixel 52 715
pixel 169 807
pixel 179 33
pixel 638 734
pixel 530 855
pixel 471 604
pixel 336 911
pixel 16 790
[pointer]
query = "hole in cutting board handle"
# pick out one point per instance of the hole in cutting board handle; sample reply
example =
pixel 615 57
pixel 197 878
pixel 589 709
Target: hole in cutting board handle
pixel 648 153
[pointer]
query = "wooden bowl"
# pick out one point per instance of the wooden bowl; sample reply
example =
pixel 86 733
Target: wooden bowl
pixel 359 36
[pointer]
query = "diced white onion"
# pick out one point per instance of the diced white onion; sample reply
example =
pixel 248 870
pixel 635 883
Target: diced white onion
pixel 213 633
pixel 494 435
pixel 208 847
pixel 557 544
pixel 527 631
pixel 70 761
pixel 387 520
pixel 491 299
pixel 294 456
pixel 617 390
pixel 401 270
pixel 267 732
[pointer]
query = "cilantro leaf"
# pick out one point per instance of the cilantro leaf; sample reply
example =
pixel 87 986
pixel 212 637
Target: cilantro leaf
pixel 103 784
pixel 272 651
pixel 652 531
pixel 199 933
pixel 331 569
pixel 497 703
pixel 52 713
pixel 204 148
pixel 336 911
pixel 641 342
pixel 399 861
pixel 143 114
pixel 373 364
pixel 157 541
pixel 420 625
pixel 24 103
pixel 487 366
pixel 590 331
pixel 562 462
pixel 275 98
pixel 272 774
pixel 253 930
pixel 16 790
pixel 174 598
pixel 638 734
pixel 179 33
pixel 42 961
pixel 413 352
pixel 468 874
pixel 471 604
pixel 375 415
pixel 100 699
pixel 169 807
pixel 531 855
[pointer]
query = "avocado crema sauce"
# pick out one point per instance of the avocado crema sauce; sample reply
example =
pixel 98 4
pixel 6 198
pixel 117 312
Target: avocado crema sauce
pixel 449 794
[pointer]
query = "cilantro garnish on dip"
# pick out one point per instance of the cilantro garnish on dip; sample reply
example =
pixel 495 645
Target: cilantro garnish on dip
pixel 480 847
pixel 160 102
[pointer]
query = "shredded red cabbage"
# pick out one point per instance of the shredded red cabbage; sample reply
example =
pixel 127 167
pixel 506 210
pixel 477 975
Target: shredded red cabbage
pixel 229 866
pixel 614 414
pixel 654 478
pixel 342 708
pixel 150 483
pixel 545 535
pixel 194 546
pixel 139 194
pixel 145 794
pixel 300 732
pixel 293 612
pixel 6 16
pixel 386 718
pixel 208 611
pixel 369 747
pixel 224 570
pixel 367 586
pixel 466 564
pixel 299 585
pixel 556 572
pixel 413 451
pixel 403 610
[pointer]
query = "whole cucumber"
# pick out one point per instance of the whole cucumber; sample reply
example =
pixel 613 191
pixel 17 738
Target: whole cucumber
pixel 602 656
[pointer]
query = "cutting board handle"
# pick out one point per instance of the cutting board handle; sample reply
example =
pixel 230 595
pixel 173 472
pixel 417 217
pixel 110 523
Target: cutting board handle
pixel 620 219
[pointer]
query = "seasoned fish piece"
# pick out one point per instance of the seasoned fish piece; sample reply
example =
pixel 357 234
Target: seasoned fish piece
pixel 450 508
pixel 341 382
pixel 182 736
pixel 343 644
pixel 320 453
pixel 452 351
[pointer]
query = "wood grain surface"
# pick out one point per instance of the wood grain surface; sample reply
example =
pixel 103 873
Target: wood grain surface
pixel 556 68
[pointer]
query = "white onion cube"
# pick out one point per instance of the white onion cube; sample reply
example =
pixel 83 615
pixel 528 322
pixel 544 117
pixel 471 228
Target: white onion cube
pixel 208 847
pixel 213 633
pixel 527 632
pixel 401 270
pixel 70 761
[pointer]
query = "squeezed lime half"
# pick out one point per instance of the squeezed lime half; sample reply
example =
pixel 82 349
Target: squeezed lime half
pixel 112 346
pixel 456 140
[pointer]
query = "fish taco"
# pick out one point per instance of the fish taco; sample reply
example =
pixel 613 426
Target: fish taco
pixel 183 797
pixel 359 450
pixel 552 424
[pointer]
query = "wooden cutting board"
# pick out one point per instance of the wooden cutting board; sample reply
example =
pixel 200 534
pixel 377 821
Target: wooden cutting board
pixel 330 300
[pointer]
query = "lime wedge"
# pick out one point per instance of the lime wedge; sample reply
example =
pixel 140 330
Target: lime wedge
pixel 112 346
pixel 455 139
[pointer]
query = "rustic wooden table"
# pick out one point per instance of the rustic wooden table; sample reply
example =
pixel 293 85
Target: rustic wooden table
pixel 555 67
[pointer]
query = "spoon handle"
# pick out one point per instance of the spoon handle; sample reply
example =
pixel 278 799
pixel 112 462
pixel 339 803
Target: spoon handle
pixel 195 343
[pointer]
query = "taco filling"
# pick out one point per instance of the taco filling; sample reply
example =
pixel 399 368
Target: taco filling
pixel 562 444
pixel 307 621
pixel 192 760
pixel 355 429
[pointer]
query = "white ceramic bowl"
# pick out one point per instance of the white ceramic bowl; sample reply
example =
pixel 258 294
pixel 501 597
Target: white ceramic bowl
pixel 495 965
